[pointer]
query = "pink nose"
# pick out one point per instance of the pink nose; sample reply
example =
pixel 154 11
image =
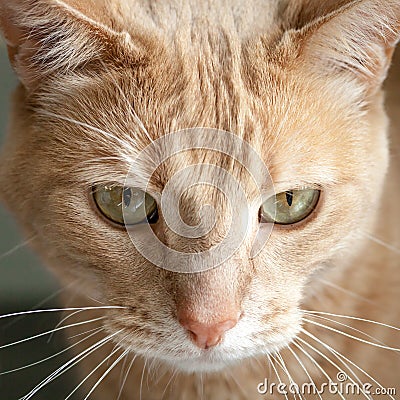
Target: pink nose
pixel 207 335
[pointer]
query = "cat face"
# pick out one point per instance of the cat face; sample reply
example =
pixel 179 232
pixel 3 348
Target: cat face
pixel 94 102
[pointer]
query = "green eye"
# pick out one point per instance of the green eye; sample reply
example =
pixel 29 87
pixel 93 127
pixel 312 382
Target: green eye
pixel 125 205
pixel 289 207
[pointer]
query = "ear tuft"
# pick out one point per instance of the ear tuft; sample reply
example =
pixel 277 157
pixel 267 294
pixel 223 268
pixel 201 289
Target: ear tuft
pixel 358 39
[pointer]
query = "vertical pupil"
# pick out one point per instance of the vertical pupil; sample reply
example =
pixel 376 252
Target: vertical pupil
pixel 289 198
pixel 127 196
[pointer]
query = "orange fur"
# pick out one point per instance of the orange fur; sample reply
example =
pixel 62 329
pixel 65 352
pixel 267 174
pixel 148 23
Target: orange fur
pixel 298 81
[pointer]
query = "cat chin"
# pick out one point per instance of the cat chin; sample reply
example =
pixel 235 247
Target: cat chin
pixel 202 364
pixel 215 360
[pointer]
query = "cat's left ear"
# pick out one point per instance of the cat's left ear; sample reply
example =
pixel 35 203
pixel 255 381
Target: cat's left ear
pixel 358 39
pixel 47 37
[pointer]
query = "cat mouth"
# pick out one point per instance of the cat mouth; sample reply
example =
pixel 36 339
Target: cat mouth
pixel 180 351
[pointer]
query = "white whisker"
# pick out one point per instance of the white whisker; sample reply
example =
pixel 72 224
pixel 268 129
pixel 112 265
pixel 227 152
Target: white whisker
pixel 126 377
pixel 16 314
pixel 68 365
pixel 168 383
pixel 61 322
pixel 123 367
pixel 201 386
pixel 84 333
pixel 48 332
pixel 330 362
pixel 97 330
pixel 114 351
pixel 18 247
pixel 349 327
pixel 387 246
pixel 353 318
pixel 142 378
pixel 286 370
pixel 346 291
pixel 341 357
pixel 305 352
pixel 276 373
pixel 304 369
pixel 351 336
pixel 107 372
pixel 42 302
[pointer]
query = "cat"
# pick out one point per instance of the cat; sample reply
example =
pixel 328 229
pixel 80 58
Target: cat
pixel 211 180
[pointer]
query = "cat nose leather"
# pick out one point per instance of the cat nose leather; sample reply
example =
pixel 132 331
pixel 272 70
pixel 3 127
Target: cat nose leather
pixel 207 335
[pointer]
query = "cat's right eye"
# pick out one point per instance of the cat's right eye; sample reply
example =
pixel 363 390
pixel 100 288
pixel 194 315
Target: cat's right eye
pixel 125 205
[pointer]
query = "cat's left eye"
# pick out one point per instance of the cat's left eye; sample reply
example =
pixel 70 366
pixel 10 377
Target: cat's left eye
pixel 288 208
pixel 125 205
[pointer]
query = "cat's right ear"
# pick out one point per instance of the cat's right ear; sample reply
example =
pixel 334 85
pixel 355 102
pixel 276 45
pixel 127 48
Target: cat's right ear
pixel 47 37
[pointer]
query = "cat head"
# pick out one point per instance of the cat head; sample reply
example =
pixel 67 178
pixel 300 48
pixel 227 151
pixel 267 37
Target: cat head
pixel 216 124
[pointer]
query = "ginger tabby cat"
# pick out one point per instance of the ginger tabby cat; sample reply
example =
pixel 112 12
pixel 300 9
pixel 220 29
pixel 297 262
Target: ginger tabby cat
pixel 214 178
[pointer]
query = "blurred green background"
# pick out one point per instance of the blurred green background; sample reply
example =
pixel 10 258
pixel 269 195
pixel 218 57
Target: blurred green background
pixel 25 285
